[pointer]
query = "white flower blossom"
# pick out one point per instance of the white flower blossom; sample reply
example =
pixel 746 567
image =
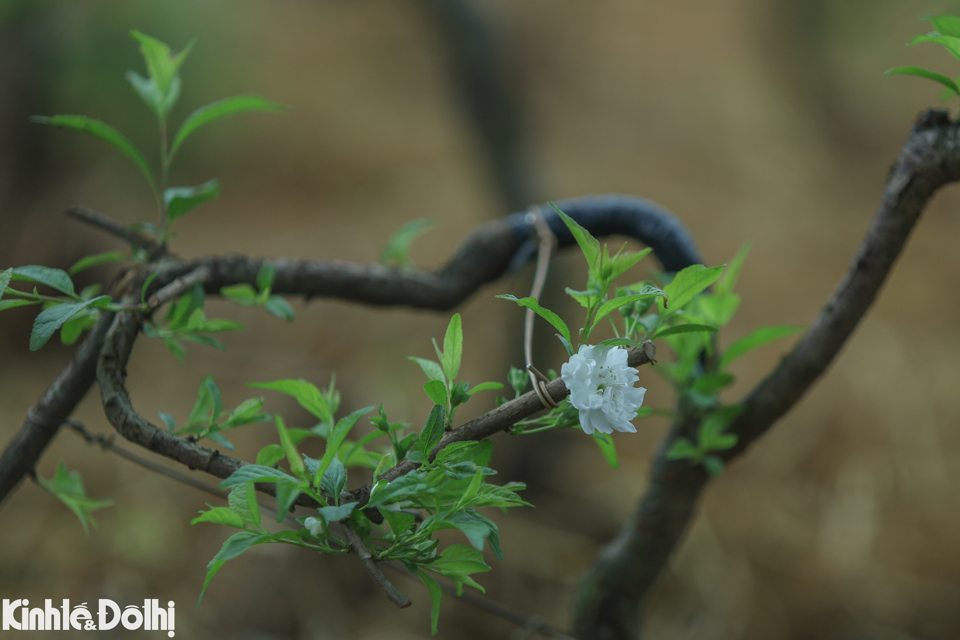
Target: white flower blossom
pixel 601 387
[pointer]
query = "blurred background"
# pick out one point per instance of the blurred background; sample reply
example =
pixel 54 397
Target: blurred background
pixel 753 120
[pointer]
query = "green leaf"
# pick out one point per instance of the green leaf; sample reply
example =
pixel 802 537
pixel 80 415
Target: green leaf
pixel 220 515
pixel 334 479
pixel 436 391
pixel 216 110
pixel 612 305
pixel 435 594
pixel 950 43
pixel 293 456
pixel 306 395
pixel 232 547
pixel 72 329
pixel 585 298
pixel 106 133
pixel 270 455
pixel 336 514
pixel 619 264
pixel 254 473
pixel 459 558
pixel 180 200
pixel 385 493
pixel 452 348
pixel 399 522
pixel 67 487
pixel 337 435
pixel 683 328
pixel 147 89
pixel 682 449
pixel 277 306
pixel 98 259
pixel 146 286
pixel 265 276
pixel 471 491
pixel 431 369
pixel 718 309
pixel 607 448
pixel 688 283
pixel 208 399
pixel 432 431
pixel 288 490
pixel 13 304
pixel 486 386
pixel 247 412
pixel 477 529
pixel 757 338
pixel 52 318
pixel 546 314
pixel 161 64
pixel 946 25
pixel 5 280
pixel 397 251
pixel 711 432
pixel 243 501
pixel 924 73
pixel 588 244
pixel 728 281
pixel 54 278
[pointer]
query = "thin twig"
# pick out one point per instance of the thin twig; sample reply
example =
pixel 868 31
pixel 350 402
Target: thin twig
pixel 169 292
pixel 547 241
pixel 360 550
pixel 107 224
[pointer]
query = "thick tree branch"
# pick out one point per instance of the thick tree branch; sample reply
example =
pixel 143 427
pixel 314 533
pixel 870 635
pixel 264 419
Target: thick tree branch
pixel 611 594
pixel 54 406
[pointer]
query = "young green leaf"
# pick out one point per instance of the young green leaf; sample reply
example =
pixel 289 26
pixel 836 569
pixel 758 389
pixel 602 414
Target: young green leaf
pixel 946 25
pixel 486 386
pixel 925 73
pixel 5 280
pixel 241 293
pixel 459 558
pixel 216 110
pixel 683 449
pixel 180 200
pixel 607 448
pixel 293 456
pixel 334 479
pixel 757 338
pixel 306 395
pixel 731 274
pixel 242 500
pixel 410 484
pixel 336 514
pixel 277 306
pixel 288 490
pixel 546 314
pixel 53 278
pixel 397 251
pixel 97 259
pixel 232 547
pixel 52 318
pixel 254 473
pixel 271 455
pixel 435 594
pixel 431 369
pixel 432 431
pixel 648 293
pixel 399 522
pixel 220 515
pixel 106 133
pixel 67 487
pixel 950 43
pixel 436 391
pixel 688 283
pixel 337 436
pixel 452 348
pixel 161 64
pixel 588 244
pixel 683 328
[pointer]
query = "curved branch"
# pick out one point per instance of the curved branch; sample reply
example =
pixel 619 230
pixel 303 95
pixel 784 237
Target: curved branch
pixel 54 406
pixel 493 250
pixel 610 596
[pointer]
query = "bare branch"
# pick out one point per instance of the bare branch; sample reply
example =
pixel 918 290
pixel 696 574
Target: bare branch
pixel 178 286
pixel 611 594
pixel 360 550
pixel 109 225
pixel 54 406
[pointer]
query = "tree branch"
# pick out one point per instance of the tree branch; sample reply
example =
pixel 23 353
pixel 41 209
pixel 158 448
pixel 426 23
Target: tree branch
pixel 610 596
pixel 108 225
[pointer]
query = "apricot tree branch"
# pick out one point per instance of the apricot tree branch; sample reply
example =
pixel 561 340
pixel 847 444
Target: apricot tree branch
pixel 610 597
